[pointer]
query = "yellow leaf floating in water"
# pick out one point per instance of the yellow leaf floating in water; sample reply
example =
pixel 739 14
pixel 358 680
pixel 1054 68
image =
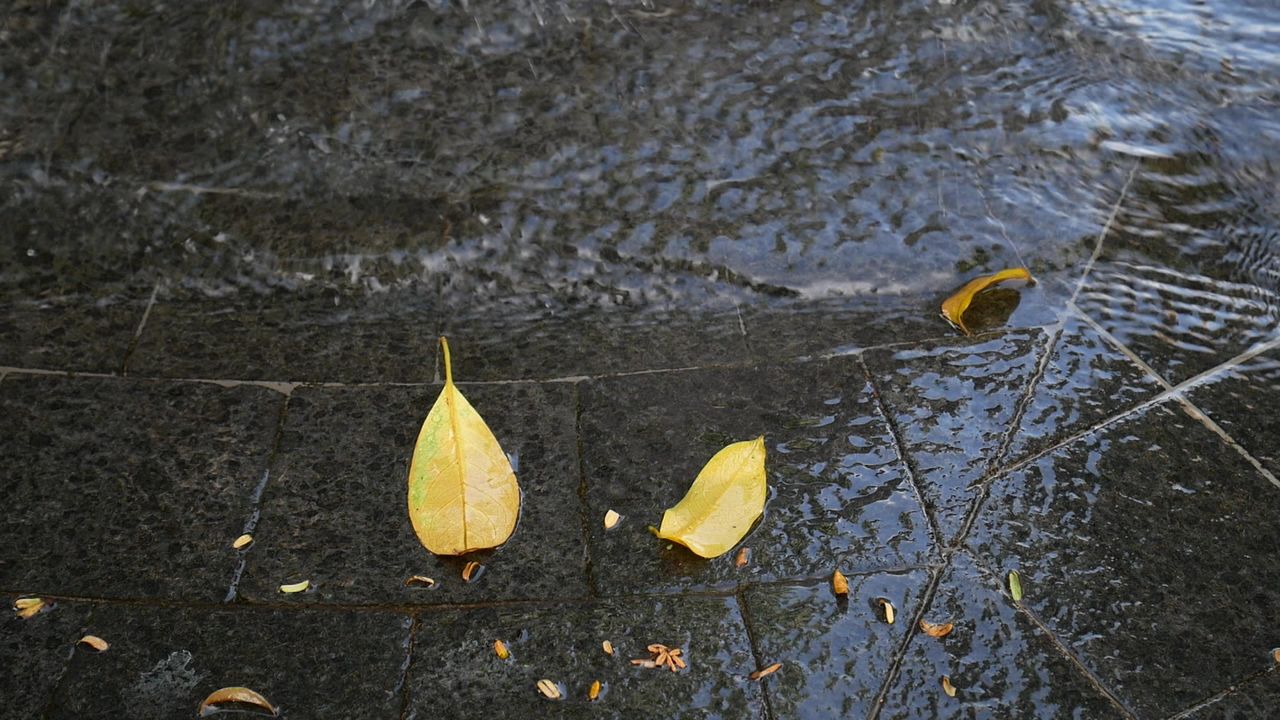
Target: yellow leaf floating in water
pixel 463 494
pixel 232 697
pixel 953 307
pixel 723 502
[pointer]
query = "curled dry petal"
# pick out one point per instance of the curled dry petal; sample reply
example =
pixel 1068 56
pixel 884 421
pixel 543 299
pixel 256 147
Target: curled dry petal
pixel 676 662
pixel 644 663
pixel 230 697
pixel 594 692
pixel 242 542
pixel 887 607
pixel 295 587
pixel 947 687
pixel 549 689
pixel 469 570
pixel 611 520
pixel 839 583
pixel 766 672
pixel 28 607
pixel 500 649
pixel 422 580
pixel 608 647
pixel 744 557
pixel 1275 655
pixel 936 631
pixel 95 642
pixel 953 308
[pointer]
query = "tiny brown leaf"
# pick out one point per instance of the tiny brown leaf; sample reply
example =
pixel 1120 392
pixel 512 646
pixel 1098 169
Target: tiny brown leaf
pixel 744 557
pixel 937 631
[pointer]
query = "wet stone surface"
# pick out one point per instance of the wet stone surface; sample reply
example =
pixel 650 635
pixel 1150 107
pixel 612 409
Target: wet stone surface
pixel 839 495
pixel 953 403
pixel 1254 699
pixel 1150 549
pixel 835 652
pixel 34 653
pixel 77 334
pixel 163 662
pixel 1245 401
pixel 999 662
pixel 335 510
pixel 123 488
pixel 456 673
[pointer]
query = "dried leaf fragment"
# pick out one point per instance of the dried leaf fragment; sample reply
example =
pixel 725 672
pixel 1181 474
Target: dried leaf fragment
pixel 644 663
pixel 500 649
pixel 1015 585
pixel 839 584
pixel 295 587
pixel 953 308
pixel 95 642
pixel 947 687
pixel 611 520
pixel 766 672
pixel 232 697
pixel 242 542
pixel 422 580
pixel 608 647
pixel 744 557
pixel 594 691
pixel 463 493
pixel 549 689
pixel 469 570
pixel 1275 655
pixel 935 631
pixel 722 504
pixel 28 607
pixel 887 608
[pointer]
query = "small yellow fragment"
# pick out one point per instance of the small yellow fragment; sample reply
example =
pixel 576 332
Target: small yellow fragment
pixel 936 631
pixel 594 692
pixel 888 610
pixel 549 690
pixel 420 580
pixel 839 583
pixel 947 687
pixel 95 642
pixel 766 672
pixel 242 541
pixel 233 696
pixel 500 648
pixel 953 308
pixel 469 570
pixel 744 557
pixel 611 520
pixel 295 587
pixel 608 647
pixel 28 607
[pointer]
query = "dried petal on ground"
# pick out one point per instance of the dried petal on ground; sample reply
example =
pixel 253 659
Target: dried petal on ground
pixel 839 583
pixel 29 607
pixel 95 642
pixel 469 570
pixel 500 649
pixel 611 520
pixel 954 307
pixel 295 587
pixel 242 542
pixel 463 494
pixel 744 557
pixel 947 687
pixel 936 631
pixel 723 503
pixel 887 608
pixel 422 580
pixel 549 689
pixel 1015 585
pixel 594 691
pixel 644 663
pixel 608 647
pixel 766 671
pixel 1275 655
pixel 231 697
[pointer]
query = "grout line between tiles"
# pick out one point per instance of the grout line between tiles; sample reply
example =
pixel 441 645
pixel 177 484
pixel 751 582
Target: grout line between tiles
pixel 255 502
pixel 744 610
pixel 584 512
pixel 900 655
pixel 137 333
pixel 1102 234
pixel 405 688
pixel 55 691
pixel 1222 695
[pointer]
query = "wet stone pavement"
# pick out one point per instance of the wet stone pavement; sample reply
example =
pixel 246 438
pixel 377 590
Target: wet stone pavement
pixel 232 232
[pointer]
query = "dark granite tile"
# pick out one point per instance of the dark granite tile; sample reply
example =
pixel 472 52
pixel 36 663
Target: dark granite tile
pixel 1257 698
pixel 119 488
pixel 75 334
pixel 456 674
pixel 313 336
pixel 1085 381
pixel 1001 665
pixel 839 495
pixel 835 652
pixel 34 653
pixel 336 512
pixel 163 662
pixel 1150 548
pixel 953 402
pixel 1245 401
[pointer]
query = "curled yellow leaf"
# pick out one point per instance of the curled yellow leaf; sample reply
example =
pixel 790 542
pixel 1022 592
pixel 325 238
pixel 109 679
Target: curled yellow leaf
pixel 95 642
pixel 953 308
pixel 233 697
pixel 839 584
pixel 463 494
pixel 723 502
pixel 295 587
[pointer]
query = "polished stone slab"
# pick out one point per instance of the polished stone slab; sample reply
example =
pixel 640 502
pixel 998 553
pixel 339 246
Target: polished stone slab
pixel 1245 402
pixel 34 653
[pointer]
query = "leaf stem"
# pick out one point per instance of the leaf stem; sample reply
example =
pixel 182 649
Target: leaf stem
pixel 448 367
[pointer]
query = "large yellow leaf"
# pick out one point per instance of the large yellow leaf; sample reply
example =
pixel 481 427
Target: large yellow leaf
pixel 463 494
pixel 953 307
pixel 725 499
